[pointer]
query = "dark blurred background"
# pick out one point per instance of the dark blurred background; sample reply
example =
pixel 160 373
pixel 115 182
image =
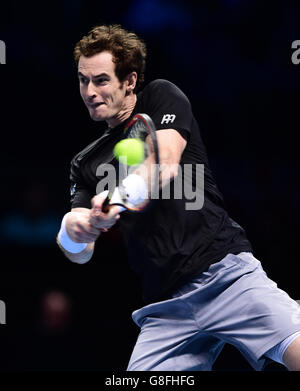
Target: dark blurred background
pixel 233 60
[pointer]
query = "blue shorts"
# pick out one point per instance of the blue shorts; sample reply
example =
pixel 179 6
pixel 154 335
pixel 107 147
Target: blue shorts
pixel 232 302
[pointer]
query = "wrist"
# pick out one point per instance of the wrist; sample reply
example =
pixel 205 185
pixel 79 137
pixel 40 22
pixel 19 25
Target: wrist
pixel 66 242
pixel 135 188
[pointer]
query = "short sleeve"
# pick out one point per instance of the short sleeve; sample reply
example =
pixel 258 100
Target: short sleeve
pixel 168 107
pixel 80 195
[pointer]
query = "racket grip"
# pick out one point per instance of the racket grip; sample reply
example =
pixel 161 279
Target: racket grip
pixel 115 199
pixel 105 205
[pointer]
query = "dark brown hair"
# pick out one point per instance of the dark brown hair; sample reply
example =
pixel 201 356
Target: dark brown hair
pixel 128 50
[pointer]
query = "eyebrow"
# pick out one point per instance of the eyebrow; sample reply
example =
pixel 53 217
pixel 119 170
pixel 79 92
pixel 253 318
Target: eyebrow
pixel 94 77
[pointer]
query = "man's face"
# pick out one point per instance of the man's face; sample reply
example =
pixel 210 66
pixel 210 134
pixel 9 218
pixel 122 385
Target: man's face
pixel 100 88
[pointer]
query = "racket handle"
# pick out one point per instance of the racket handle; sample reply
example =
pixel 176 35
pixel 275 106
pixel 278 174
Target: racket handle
pixel 114 199
pixel 105 205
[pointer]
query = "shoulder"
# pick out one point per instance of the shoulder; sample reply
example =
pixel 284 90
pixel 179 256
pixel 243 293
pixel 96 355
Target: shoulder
pixel 159 83
pixel 159 89
pixel 75 162
pixel 162 85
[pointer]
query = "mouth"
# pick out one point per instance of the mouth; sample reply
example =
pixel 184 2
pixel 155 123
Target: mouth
pixel 95 105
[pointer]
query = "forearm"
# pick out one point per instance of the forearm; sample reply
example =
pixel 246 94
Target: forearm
pixel 81 257
pixel 81 227
pixel 76 237
pixel 167 170
pixel 170 145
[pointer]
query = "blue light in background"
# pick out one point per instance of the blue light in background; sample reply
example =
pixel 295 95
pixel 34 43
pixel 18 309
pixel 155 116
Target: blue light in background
pixel 153 15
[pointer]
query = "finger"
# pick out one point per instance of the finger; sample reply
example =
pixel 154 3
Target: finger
pixel 98 200
pixel 97 217
pixel 88 231
pixel 96 221
pixel 97 213
pixel 113 212
pixel 92 230
pixel 103 225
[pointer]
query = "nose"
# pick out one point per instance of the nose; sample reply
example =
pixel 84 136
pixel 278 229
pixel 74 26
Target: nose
pixel 90 92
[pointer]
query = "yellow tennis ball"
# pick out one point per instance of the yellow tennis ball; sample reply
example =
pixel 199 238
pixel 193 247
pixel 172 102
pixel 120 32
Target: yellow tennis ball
pixel 129 151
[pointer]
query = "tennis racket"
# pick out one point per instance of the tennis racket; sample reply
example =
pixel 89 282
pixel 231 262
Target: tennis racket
pixel 139 127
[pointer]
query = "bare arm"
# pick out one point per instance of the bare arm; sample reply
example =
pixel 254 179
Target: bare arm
pixel 77 219
pixel 171 145
pixel 85 225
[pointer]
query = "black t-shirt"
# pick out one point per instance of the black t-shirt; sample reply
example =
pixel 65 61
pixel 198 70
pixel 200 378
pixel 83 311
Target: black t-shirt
pixel 168 243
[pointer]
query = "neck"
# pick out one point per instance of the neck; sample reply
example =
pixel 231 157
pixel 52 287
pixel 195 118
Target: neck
pixel 125 112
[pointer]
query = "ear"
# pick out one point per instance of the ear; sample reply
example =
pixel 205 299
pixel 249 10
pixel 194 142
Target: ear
pixel 131 82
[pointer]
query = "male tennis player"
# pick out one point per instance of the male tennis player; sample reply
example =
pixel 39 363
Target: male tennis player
pixel 202 286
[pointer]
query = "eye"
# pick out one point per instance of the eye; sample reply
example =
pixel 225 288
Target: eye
pixel 101 81
pixel 83 80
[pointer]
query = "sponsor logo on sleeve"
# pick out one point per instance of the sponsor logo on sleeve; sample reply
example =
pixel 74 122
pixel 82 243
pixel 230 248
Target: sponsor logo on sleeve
pixel 168 118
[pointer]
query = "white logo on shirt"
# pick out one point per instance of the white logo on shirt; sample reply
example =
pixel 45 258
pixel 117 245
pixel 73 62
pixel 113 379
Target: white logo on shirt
pixel 2 52
pixel 168 118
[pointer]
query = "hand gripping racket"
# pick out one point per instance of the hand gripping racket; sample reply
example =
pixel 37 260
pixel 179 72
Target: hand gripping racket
pixel 140 127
